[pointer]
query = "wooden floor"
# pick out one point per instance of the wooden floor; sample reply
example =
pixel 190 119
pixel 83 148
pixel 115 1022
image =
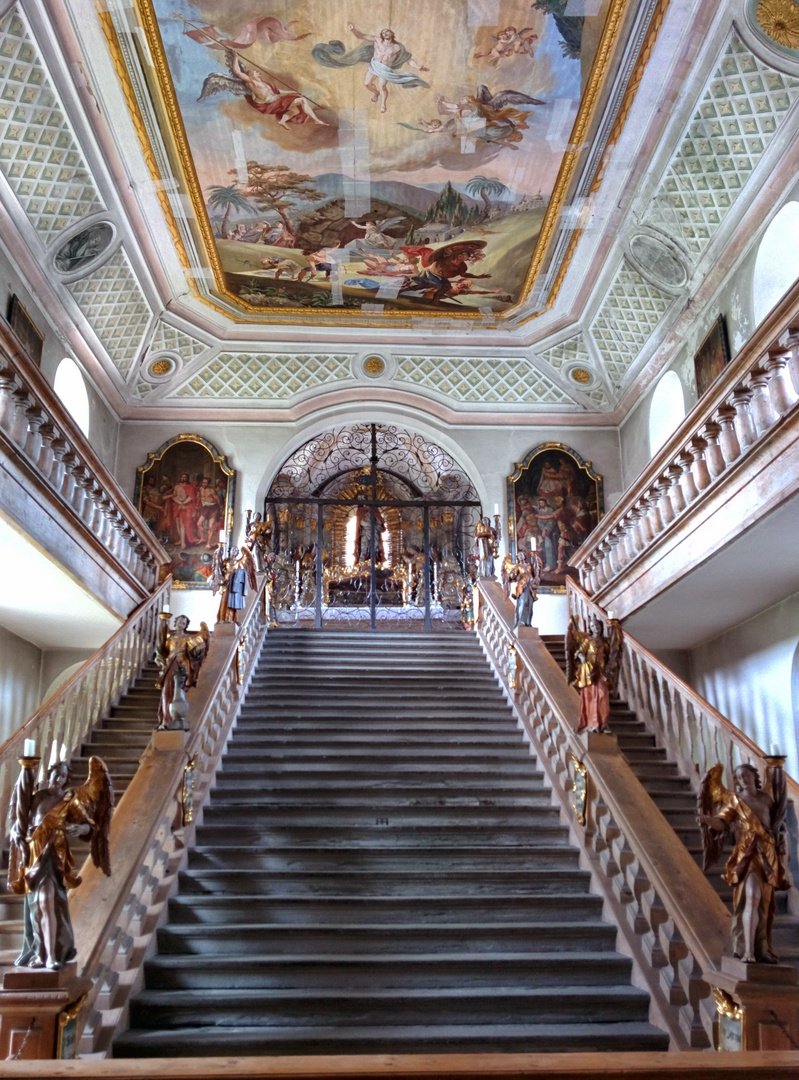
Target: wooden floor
pixel 704 1065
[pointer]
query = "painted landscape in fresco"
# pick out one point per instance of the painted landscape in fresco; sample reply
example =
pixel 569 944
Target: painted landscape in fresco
pixel 398 154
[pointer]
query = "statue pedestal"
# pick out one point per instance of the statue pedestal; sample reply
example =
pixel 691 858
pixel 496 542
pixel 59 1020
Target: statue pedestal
pixel 758 1004
pixel 37 1015
pixel 162 739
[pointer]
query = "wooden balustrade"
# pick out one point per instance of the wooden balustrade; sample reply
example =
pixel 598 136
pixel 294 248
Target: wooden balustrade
pixel 750 403
pixel 55 463
pixel 694 734
pixel 671 921
pixel 115 918
pixel 70 714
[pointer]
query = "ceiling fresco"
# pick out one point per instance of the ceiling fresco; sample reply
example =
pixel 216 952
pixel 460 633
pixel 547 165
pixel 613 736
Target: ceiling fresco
pixel 403 156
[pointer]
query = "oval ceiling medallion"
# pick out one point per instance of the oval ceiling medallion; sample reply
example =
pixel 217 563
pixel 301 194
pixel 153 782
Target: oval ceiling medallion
pixel 779 20
pixel 84 248
pixel 656 261
pixel 580 375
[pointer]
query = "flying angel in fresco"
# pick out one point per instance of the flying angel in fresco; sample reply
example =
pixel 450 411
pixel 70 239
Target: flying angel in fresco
pixel 289 106
pixel 385 56
pixel 510 42
pixel 493 118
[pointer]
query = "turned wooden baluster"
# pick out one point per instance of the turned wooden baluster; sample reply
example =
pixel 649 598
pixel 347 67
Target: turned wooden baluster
pixel 46 462
pixel 33 445
pixel 783 394
pixel 744 420
pixel 8 382
pixel 713 455
pixel 18 431
pixel 676 493
pixel 645 530
pixel 700 471
pixel 663 488
pixel 655 516
pixel 728 437
pixel 763 412
pixel 685 461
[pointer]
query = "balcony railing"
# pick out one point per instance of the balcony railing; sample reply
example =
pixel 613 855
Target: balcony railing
pixel 54 464
pixel 741 424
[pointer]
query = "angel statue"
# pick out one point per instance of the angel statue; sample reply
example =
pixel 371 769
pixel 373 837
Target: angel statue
pixel 259 538
pixel 486 539
pixel 231 577
pixel 756 867
pixel 525 587
pixel 179 656
pixel 593 664
pixel 40 861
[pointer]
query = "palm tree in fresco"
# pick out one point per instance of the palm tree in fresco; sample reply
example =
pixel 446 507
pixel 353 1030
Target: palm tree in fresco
pixel 227 198
pixel 483 187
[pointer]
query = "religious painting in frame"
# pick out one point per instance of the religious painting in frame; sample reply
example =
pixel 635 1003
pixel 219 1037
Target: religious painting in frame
pixel 712 356
pixel 25 329
pixel 185 492
pixel 555 498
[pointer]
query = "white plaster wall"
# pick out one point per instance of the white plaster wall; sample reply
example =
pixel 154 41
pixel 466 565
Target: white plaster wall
pixel 746 674
pixel 20 666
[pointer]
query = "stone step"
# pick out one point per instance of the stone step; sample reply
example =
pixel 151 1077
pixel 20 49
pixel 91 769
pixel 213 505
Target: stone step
pixel 367 817
pixel 366 911
pixel 260 721
pixel 540 832
pixel 376 860
pixel 387 882
pixel 427 783
pixel 299 1008
pixel 428 755
pixel 601 1037
pixel 398 939
pixel 528 969
pixel 406 770
pixel 263 741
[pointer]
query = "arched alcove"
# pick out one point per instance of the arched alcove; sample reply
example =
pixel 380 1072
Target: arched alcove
pixel 777 262
pixel 666 410
pixel 71 388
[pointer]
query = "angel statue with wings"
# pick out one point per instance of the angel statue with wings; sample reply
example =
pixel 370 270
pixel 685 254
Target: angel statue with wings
pixel 179 655
pixel 41 865
pixel 756 868
pixel 593 664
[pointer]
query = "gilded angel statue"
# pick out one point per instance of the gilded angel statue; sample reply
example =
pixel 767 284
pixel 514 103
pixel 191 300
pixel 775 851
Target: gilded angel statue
pixel 179 655
pixel 756 867
pixel 593 665
pixel 41 865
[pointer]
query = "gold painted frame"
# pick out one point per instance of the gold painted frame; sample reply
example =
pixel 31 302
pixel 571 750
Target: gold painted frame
pixel 165 100
pixel 574 495
pixel 190 569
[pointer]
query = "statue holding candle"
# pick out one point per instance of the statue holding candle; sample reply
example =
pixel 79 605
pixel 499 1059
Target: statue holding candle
pixel 527 578
pixel 40 860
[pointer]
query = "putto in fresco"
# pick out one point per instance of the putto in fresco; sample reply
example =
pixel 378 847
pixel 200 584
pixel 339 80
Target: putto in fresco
pixel 376 133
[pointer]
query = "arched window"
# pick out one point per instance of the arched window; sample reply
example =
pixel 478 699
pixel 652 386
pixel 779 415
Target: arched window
pixel 777 262
pixel 71 388
pixel 666 410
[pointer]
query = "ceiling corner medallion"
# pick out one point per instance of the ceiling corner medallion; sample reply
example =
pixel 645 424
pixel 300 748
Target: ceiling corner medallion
pixel 374 366
pixel 779 19
pixel 580 375
pixel 343 166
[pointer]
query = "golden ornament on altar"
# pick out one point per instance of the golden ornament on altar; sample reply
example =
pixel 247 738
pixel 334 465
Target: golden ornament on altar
pixel 780 20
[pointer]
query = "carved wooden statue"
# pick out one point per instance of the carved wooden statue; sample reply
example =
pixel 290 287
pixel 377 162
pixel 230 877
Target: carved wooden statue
pixel 40 861
pixel 593 664
pixel 527 578
pixel 179 656
pixel 231 577
pixel 756 867
pixel 486 540
pixel 259 539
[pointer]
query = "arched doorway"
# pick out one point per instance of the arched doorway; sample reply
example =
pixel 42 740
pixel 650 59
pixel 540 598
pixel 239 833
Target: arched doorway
pixel 373 526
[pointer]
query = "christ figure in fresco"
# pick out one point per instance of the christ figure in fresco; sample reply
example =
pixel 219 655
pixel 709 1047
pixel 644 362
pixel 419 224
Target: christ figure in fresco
pixel 388 57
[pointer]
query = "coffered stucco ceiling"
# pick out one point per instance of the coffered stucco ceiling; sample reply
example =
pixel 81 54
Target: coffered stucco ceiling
pixel 589 160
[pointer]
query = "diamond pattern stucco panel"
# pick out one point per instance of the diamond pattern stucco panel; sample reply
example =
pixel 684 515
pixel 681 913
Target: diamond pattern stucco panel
pixel 114 304
pixel 39 154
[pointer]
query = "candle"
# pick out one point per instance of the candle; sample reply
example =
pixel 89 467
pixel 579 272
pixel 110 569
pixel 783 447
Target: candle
pixel 610 613
pixel 532 543
pixel 166 608
pixel 29 748
pixel 222 536
pixel 496 509
pixel 775 750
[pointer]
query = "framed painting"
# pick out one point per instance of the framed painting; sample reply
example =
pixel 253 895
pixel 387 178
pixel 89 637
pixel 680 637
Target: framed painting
pixel 25 329
pixel 554 498
pixel 712 356
pixel 185 493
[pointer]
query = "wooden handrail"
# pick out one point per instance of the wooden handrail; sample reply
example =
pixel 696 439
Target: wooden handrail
pixel 71 712
pixel 701 706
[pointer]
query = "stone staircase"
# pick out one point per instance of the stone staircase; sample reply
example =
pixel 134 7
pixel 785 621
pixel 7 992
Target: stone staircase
pixel 380 870
pixel 120 740
pixel 673 795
